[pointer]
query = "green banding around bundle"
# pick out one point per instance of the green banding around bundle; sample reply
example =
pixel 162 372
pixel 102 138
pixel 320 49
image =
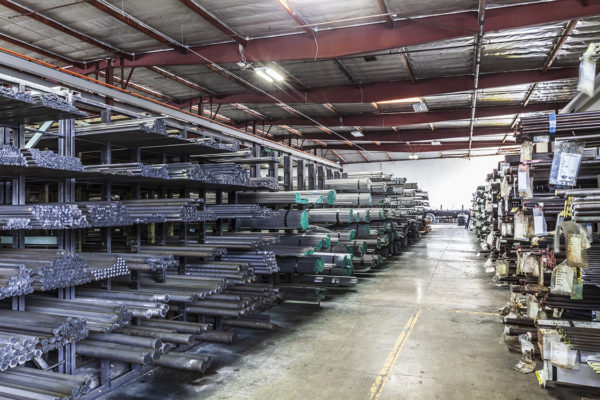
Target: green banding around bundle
pixel 318 246
pixel 350 215
pixel 364 247
pixel 303 220
pixel 326 242
pixel 367 217
pixel 352 234
pixel 310 252
pixel 331 196
pixel 319 265
pixel 299 199
pixel 356 217
pixel 347 261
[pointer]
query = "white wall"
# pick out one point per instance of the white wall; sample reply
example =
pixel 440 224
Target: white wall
pixel 449 181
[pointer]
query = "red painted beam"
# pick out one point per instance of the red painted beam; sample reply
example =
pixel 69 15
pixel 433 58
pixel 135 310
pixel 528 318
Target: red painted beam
pixel 418 148
pixel 408 135
pixel 214 21
pixel 335 43
pixel 383 91
pixel 411 118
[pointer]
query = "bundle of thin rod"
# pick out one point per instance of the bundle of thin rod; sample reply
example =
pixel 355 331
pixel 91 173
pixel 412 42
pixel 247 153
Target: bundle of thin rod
pixel 265 182
pixel 131 169
pixel 52 331
pixel 106 213
pixel 32 383
pixel 227 174
pixel 349 185
pixel 241 242
pixel 233 273
pixel 48 159
pixel 227 211
pixel 331 215
pixel 282 219
pixel 130 127
pixel 261 261
pixel 138 308
pixel 188 171
pixel 52 269
pixel 10 155
pixel 98 317
pixel 173 210
pixel 103 266
pixel 16 279
pixel 353 200
pixel 564 124
pixel 281 197
pixel 582 338
pixel 17 349
pixel 591 274
pixel 42 216
pixel 180 289
pixel 147 262
pixel 594 362
pixel 191 250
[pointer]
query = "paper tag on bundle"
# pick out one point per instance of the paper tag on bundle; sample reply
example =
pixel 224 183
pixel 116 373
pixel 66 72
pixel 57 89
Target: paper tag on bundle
pixel 587 77
pixel 562 279
pixel 523 181
pixel 541 139
pixel 568 167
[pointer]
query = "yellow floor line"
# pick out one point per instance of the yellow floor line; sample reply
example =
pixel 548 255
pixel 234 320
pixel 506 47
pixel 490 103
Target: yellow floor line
pixel 384 374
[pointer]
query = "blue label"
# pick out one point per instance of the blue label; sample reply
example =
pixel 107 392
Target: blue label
pixel 552 123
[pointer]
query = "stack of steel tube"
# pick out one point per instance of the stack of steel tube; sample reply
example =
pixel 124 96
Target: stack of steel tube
pixel 140 355
pixel 330 215
pixel 173 210
pixel 105 213
pixel 103 266
pixel 138 308
pixel 131 169
pixel 349 185
pixel 282 219
pixel 233 273
pixel 227 211
pixel 191 250
pixel 15 280
pixel 353 200
pixel 563 124
pixel 10 155
pixel 148 262
pixel 42 216
pixel 41 384
pixel 262 261
pixel 48 159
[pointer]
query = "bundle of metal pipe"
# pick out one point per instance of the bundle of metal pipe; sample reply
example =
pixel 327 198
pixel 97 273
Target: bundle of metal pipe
pixel 184 361
pixel 262 261
pixel 185 288
pixel 282 219
pixel 221 306
pixel 52 269
pixel 188 171
pixel 265 182
pixel 48 159
pixel 562 124
pixel 230 211
pixel 300 292
pixel 32 383
pixel 331 215
pixel 173 210
pixel 191 250
pixel 15 280
pixel 131 169
pixel 280 198
pixel 42 216
pixel 186 327
pixel 375 176
pixel 106 213
pixel 98 317
pixel 137 308
pixel 241 242
pixel 167 334
pixel 262 296
pixel 349 185
pixel 130 127
pixel 147 262
pixel 302 264
pixel 379 187
pixel 353 200
pixel 117 352
pixel 17 349
pixel 52 331
pixel 228 173
pixel 327 280
pixel 582 338
pixel 317 241
pixel 10 155
pixel 238 273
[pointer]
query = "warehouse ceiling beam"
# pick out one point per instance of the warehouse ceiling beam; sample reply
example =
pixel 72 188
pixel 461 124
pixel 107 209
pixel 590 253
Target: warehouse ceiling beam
pixel 386 14
pixel 411 118
pixel 406 62
pixel 418 147
pixel 214 21
pixel 341 42
pixel 40 50
pixel 476 67
pixel 385 91
pixel 182 81
pixel 138 25
pixel 296 17
pixel 30 13
pixel 558 46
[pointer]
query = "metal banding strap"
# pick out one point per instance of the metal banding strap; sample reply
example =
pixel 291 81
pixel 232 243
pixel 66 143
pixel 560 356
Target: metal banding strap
pixel 552 123
pixel 285 224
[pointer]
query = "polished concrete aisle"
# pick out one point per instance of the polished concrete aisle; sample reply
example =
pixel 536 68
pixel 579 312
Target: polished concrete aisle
pixel 423 327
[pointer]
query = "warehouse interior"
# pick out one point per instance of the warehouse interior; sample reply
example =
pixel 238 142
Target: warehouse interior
pixel 294 199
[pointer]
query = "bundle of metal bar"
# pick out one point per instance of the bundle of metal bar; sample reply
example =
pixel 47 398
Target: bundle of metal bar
pixel 379 187
pixel 349 185
pixel 184 361
pixel 188 171
pixel 105 213
pixel 241 242
pixel 300 292
pixel 331 215
pixel 17 349
pixel 52 269
pixel 227 211
pixel 130 127
pixel 561 125
pixel 265 182
pixel 52 331
pixel 186 327
pixel 282 219
pixel 228 173
pixel 186 288
pixel 42 216
pixel 279 198
pixel 326 280
pixel 147 262
pixel 48 159
pixel 191 250
pixel 104 266
pixel 173 210
pixel 166 334
pixel 353 200
pixel 117 352
pixel 301 264
pixel 375 176
pixel 262 261
pixel 41 384
pixel 98 317
pixel 582 338
pixel 131 169
pixel 15 280
pixel 316 241
pixel 11 155
pixel 239 273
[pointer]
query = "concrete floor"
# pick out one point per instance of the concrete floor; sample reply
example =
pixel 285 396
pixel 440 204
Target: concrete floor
pixel 423 327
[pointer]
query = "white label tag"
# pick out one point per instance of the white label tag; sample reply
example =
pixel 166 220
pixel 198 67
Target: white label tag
pixel 523 181
pixel 538 222
pixel 559 354
pixel 569 164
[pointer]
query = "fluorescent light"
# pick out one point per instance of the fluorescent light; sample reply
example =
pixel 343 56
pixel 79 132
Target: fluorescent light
pixel 420 107
pixel 357 133
pixel 414 156
pixel 408 100
pixel 262 74
pixel 274 74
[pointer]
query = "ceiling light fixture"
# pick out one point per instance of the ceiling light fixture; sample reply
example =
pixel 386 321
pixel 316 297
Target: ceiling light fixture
pixel 274 74
pixel 264 76
pixel 414 156
pixel 357 133
pixel 409 100
pixel 420 107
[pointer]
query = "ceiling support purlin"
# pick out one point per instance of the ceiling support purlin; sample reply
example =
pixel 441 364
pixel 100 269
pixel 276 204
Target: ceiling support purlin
pixel 29 13
pixel 39 50
pixel 476 68
pixel 561 41
pixel 135 23
pixel 214 21
pixel 341 42
pixel 296 17
pixel 182 81
pixel 418 147
pixel 386 14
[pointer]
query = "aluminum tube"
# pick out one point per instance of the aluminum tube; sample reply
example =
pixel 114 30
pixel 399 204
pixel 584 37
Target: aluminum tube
pixel 110 353
pixel 136 341
pixel 183 361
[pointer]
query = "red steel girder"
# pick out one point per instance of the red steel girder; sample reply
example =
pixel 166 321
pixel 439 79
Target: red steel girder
pixel 382 91
pixel 335 43
pixel 418 148
pixel 411 118
pixel 214 21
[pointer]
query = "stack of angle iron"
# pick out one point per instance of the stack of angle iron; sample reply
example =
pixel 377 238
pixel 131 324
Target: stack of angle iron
pixel 189 171
pixel 131 169
pixel 104 266
pixel 228 174
pixel 32 383
pixel 262 262
pixel 251 211
pixel 53 331
pixel 105 213
pixel 48 159
pixel 10 155
pixel 265 182
pixel 42 216
pixel 15 279
pixel 98 317
pixel 292 197
pixel 233 273
pixel 169 210
pixel 282 219
pixel 52 269
pixel 559 125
